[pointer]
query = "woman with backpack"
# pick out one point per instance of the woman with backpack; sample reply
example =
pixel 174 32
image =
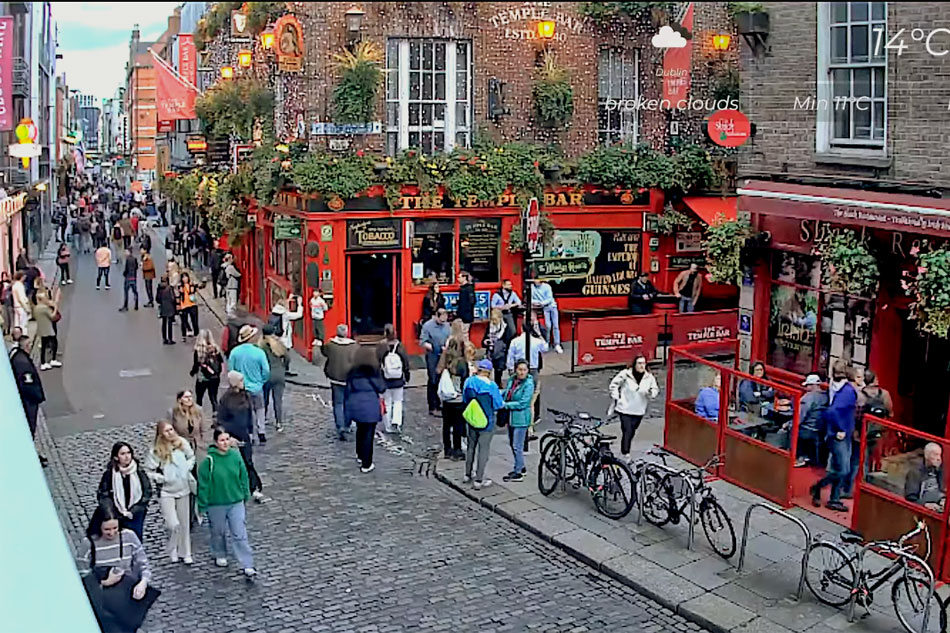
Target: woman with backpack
pixel 278 360
pixel 876 401
pixel 62 260
pixel 453 369
pixel 206 368
pixel 394 364
pixel 363 403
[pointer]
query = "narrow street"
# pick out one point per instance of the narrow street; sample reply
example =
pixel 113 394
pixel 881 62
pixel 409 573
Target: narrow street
pixel 337 550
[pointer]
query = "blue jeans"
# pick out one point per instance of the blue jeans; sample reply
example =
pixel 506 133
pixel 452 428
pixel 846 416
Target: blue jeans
pixel 516 437
pixel 839 467
pixel 224 519
pixel 552 320
pixel 131 284
pixel 687 305
pixel 339 416
pixel 855 465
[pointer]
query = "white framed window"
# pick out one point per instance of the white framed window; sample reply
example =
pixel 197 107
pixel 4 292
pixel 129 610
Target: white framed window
pixel 618 88
pixel 852 77
pixel 428 94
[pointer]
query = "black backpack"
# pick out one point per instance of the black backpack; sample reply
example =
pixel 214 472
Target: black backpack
pixel 276 322
pixel 875 404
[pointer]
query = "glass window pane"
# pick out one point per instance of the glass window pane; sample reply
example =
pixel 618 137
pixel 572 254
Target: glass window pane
pixel 438 142
pixel 479 248
pixel 878 42
pixel 792 328
pixel 603 74
pixel 438 115
pixel 392 84
pixel 859 43
pixel 436 252
pixel 461 139
pixel 426 142
pixel 862 119
pixel 415 88
pixel 392 53
pixel 859 11
pixel 414 114
pixel 427 50
pixel 842 122
pixel 392 143
pixel 461 57
pixel 878 130
pixel 839 11
pixel 461 85
pixel 426 114
pixel 878 82
pixel 392 114
pixel 461 115
pixel 839 44
pixel 862 82
pixel 841 82
pixel 877 10
pixel 414 54
pixel 440 56
pixel 794 268
pixel 427 86
pixel 440 86
pixel 414 139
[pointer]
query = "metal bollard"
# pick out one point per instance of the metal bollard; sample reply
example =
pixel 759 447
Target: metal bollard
pixel 776 510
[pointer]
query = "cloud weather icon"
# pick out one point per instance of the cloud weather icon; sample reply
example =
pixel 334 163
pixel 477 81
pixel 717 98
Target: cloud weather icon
pixel 668 38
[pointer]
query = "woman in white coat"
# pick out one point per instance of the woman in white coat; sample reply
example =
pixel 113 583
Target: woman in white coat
pixel 630 391
pixel 169 463
pixel 282 320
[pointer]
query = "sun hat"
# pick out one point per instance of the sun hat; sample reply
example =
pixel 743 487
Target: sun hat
pixel 247 333
pixel 811 379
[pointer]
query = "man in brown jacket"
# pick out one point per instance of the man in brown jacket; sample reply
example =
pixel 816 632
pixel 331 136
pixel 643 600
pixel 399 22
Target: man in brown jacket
pixel 687 287
pixel 148 274
pixel 339 352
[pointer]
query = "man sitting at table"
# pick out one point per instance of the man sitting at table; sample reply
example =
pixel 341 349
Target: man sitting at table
pixel 925 485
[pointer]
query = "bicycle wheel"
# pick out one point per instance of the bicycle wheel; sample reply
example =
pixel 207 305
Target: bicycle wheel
pixel 549 470
pixel 908 594
pixel 613 488
pixel 656 498
pixel 830 574
pixel 718 527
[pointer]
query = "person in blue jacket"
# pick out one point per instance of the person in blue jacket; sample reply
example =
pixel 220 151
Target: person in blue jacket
pixel 518 396
pixel 707 401
pixel 482 389
pixel 838 420
pixel 362 404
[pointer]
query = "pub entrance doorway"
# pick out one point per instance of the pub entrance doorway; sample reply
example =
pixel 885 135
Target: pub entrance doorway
pixel 374 278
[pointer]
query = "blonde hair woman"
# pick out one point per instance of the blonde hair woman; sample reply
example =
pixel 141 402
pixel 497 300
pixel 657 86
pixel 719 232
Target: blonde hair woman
pixel 495 343
pixel 190 423
pixel 206 368
pixel 169 463
pixel 279 362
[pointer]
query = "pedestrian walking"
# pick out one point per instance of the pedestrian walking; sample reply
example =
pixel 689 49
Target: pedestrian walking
pixel 874 400
pixel 453 369
pixel 148 276
pixel 118 576
pixel 517 408
pixel 165 296
pixel 251 362
pixel 45 313
pixel 688 286
pixel 631 390
pixel 125 225
pixel 482 400
pixel 339 352
pixel 542 298
pixel 363 394
pixel 187 305
pixel 222 492
pixel 206 368
pixel 839 420
pixel 236 416
pixel 394 365
pixel 435 333
pixel 279 361
pixel 22 308
pixel 318 311
pixel 130 274
pixel 189 421
pixel 6 303
pixel 62 260
pixel 103 263
pixel 126 486
pixel 233 284
pixel 169 465
pixel 496 339
pixel 282 318
pixel 28 383
pixel 85 232
pixel 466 302
pixel 118 245
pixel 173 270
pixel 215 262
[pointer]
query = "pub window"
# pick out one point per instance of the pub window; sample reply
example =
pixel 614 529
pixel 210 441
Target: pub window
pixel 281 258
pixel 616 85
pixel 294 263
pixel 479 245
pixel 793 323
pixel 428 95
pixel 793 268
pixel 433 254
pixel 845 331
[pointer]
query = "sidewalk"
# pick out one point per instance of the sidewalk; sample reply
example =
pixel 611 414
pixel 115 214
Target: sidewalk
pixel 697 583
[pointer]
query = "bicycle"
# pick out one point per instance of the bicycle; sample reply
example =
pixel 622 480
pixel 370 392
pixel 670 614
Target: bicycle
pixel 832 580
pixel 669 496
pixel 581 455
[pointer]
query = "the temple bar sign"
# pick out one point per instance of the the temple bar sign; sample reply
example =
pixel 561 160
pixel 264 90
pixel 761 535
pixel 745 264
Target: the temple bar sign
pixel 550 199
pixel 520 23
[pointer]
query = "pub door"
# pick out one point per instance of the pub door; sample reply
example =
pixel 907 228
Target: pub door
pixel 374 278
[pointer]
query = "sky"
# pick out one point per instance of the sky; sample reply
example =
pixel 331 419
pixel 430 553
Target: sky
pixel 94 40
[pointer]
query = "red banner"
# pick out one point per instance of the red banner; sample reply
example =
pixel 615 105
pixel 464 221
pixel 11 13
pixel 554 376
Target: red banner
pixel 6 73
pixel 701 327
pixel 616 340
pixel 176 100
pixel 188 58
pixel 676 67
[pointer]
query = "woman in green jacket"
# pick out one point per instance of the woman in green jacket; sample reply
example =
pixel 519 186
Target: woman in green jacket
pixel 518 396
pixel 222 492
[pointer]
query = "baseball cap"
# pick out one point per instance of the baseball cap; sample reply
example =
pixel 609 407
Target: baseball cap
pixel 811 379
pixel 485 365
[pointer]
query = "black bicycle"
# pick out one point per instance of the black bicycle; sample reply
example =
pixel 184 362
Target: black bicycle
pixel 580 454
pixel 667 497
pixel 832 570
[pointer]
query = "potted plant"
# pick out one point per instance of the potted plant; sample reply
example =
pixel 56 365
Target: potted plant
pixel 930 288
pixel 846 263
pixel 553 93
pixel 750 17
pixel 723 245
pixel 361 75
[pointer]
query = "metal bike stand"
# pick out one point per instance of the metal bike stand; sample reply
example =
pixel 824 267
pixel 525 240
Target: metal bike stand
pixel 859 570
pixel 776 510
pixel 692 497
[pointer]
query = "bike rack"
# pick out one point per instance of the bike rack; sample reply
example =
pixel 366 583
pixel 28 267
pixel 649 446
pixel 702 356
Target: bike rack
pixel 912 557
pixel 778 511
pixel 692 497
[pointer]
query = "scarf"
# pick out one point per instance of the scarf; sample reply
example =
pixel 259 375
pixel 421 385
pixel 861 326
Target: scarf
pixel 118 489
pixel 495 332
pixel 514 387
pixel 638 376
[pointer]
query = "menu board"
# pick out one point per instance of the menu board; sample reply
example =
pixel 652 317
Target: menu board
pixel 613 258
pixel 480 241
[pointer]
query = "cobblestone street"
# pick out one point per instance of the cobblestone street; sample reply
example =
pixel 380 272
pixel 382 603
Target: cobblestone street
pixel 342 551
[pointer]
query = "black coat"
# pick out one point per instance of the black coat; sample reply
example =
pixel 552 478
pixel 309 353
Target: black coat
pixel 638 301
pixel 466 305
pixel 236 414
pixel 138 509
pixel 27 378
pixel 428 310
pixel 165 297
pixel 131 270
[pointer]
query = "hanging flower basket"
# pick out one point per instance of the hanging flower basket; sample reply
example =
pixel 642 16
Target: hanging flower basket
pixel 846 263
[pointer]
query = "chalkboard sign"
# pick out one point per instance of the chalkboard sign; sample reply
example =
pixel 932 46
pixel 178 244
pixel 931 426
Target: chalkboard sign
pixel 480 242
pixel 613 258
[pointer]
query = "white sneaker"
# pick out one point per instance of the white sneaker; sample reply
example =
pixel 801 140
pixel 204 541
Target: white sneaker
pixel 466 479
pixel 62 283
pixel 258 496
pixel 221 562
pixel 249 572
pixel 45 366
pixel 371 468
pixel 482 484
pixel 188 560
pixel 558 349
pixel 55 363
pixel 69 281
pixel 174 558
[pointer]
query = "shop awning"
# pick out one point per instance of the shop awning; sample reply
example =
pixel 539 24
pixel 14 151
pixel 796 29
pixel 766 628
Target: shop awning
pixel 888 211
pixel 709 208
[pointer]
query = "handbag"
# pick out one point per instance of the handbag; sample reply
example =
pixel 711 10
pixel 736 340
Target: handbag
pixel 502 417
pixel 382 407
pixel 56 317
pixel 447 390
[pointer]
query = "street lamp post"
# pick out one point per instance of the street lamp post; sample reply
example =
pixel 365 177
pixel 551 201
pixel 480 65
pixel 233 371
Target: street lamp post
pixel 530 231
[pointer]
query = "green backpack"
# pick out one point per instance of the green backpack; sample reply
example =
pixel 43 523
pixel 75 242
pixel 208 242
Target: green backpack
pixel 474 415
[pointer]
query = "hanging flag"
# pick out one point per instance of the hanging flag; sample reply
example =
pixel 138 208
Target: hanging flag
pixel 188 58
pixel 676 64
pixel 176 97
